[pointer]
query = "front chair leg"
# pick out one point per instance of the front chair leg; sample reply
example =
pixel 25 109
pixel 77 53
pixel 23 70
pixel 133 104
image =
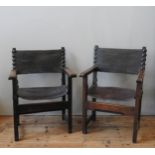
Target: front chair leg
pixel 84 121
pixel 16 122
pixel 84 109
pixel 63 111
pixel 135 129
pixel 136 119
pixel 70 105
pixel 136 124
pixel 16 118
pixel 139 113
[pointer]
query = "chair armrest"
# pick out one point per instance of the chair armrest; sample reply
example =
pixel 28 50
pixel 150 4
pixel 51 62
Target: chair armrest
pixel 88 71
pixel 140 76
pixel 12 75
pixel 69 72
pixel 139 88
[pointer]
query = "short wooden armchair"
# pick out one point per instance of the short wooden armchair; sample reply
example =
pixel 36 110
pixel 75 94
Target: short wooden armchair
pixel 41 61
pixel 127 61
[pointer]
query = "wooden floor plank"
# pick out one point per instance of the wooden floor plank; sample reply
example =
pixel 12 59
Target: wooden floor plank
pixel 51 131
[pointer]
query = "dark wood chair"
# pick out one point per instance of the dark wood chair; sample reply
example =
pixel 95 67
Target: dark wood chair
pixel 128 61
pixel 41 61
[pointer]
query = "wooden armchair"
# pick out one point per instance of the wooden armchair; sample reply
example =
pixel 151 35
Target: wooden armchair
pixel 127 61
pixel 41 61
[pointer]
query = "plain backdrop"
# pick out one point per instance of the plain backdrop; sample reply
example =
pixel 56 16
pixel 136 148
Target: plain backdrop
pixel 78 29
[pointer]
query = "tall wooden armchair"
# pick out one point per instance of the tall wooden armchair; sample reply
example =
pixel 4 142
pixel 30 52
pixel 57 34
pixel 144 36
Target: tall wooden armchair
pixel 41 61
pixel 128 61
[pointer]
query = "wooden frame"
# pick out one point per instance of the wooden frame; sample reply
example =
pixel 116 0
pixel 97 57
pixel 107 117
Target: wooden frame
pixel 42 107
pixel 135 111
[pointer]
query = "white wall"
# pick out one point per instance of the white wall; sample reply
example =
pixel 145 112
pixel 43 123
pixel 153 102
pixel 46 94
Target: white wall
pixel 78 29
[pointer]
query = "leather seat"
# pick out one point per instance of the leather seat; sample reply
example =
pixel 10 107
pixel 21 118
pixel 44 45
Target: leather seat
pixel 111 93
pixel 41 93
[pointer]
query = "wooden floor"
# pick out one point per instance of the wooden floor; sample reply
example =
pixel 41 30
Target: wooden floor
pixel 51 131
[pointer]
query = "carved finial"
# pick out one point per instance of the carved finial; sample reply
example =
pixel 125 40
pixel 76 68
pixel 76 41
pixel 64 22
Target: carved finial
pixel 13 49
pixel 63 48
pixel 96 47
pixel 63 56
pixel 144 48
pixel 14 57
pixel 95 53
pixel 143 59
pixel 95 60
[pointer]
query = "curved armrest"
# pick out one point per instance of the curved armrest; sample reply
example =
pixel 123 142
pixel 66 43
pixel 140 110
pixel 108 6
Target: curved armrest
pixel 69 72
pixel 140 76
pixel 12 75
pixel 88 71
pixel 139 88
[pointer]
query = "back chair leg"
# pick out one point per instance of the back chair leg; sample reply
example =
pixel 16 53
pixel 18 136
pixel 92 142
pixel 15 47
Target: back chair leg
pixel 18 120
pixel 94 112
pixel 93 115
pixel 69 120
pixel 63 114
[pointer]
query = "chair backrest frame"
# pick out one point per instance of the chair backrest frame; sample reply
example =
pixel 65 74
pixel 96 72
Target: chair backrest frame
pixel 38 61
pixel 128 61
pixel 114 67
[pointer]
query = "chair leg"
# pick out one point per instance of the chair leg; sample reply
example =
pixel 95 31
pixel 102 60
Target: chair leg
pixel 63 111
pixel 94 115
pixel 16 132
pixel 84 121
pixel 94 112
pixel 84 108
pixel 135 129
pixel 63 114
pixel 70 106
pixel 139 114
pixel 18 120
pixel 136 119
pixel 69 120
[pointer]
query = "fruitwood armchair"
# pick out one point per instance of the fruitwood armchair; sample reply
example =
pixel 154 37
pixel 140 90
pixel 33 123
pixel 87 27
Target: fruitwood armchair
pixel 127 61
pixel 41 61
